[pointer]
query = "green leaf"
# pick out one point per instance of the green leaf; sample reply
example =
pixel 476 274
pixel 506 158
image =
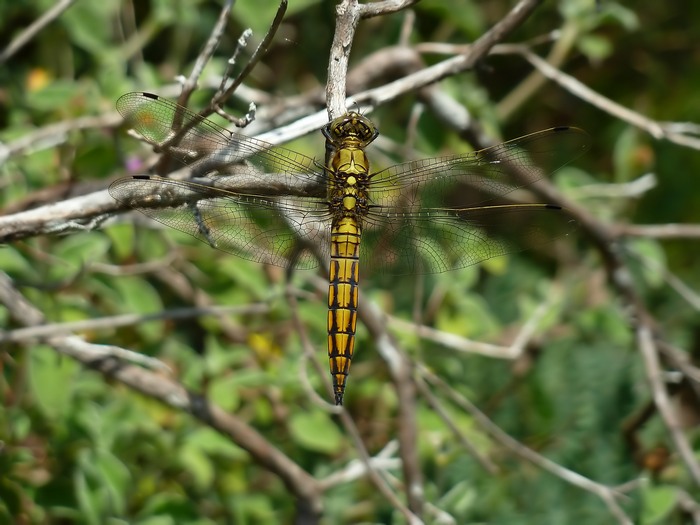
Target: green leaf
pixel 175 506
pixel 315 431
pixel 52 378
pixel 627 17
pixel 224 392
pixel 156 520
pixel 122 240
pixel 55 96
pixel 659 502
pixel 87 502
pixel 198 465
pixel 138 296
pixel 464 15
pixel 625 153
pixel 460 498
pixel 40 168
pixel 211 442
pixel 259 15
pixel 82 19
pixel 79 249
pixel 595 47
pixel 115 478
pixel 13 262
pixel 247 274
pixel 470 317
pixel 652 258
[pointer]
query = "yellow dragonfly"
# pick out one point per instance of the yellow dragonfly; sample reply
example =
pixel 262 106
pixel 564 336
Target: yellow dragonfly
pixel 276 206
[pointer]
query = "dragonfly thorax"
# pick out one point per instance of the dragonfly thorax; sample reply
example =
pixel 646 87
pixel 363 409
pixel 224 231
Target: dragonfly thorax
pixel 349 165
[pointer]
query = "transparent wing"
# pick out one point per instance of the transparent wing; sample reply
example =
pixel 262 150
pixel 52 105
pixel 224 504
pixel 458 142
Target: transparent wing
pixel 439 240
pixel 254 201
pixel 480 176
pixel 257 228
pixel 213 150
pixel 423 217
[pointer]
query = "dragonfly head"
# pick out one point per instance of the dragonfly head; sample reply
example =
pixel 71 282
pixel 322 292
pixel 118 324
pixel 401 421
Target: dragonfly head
pixel 350 128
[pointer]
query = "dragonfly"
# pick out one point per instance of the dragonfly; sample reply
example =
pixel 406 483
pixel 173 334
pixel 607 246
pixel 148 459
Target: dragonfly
pixel 276 206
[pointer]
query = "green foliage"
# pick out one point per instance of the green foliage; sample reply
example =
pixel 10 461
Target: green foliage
pixel 76 448
pixel 315 432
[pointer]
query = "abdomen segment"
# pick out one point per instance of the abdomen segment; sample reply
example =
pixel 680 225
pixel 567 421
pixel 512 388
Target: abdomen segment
pixel 342 300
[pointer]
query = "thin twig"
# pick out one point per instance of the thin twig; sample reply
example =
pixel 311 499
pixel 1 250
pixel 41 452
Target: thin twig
pixel 656 129
pixel 686 292
pixel 452 341
pixel 660 231
pixel 30 32
pixel 532 84
pixel 54 134
pixel 355 469
pixel 530 327
pixel 260 51
pixel 309 355
pixel 107 323
pixel 384 7
pixel 662 401
pixel 231 62
pixel 452 66
pixel 205 55
pixel 439 409
pixel 219 99
pixel 623 190
pixel 402 375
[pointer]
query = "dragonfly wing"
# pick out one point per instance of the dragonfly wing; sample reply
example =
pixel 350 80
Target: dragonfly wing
pixel 438 240
pixel 481 176
pixel 211 149
pixel 439 214
pixel 254 200
pixel 257 228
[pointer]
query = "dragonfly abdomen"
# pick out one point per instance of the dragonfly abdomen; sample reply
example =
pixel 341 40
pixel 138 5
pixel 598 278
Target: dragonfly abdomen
pixel 342 299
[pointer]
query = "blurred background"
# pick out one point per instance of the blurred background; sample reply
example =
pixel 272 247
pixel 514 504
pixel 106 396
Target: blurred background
pixel 76 447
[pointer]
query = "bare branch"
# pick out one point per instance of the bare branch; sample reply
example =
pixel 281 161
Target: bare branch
pixel 384 7
pixel 384 460
pixel 205 55
pixel 660 231
pixel 347 17
pixel 55 134
pixel 439 409
pixel 477 51
pixel 30 32
pixel 401 372
pixel 662 401
pixel 658 130
pixel 260 51
pixel 624 190
pixel 452 341
pixel 563 44
pixel 111 322
pixel 462 344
